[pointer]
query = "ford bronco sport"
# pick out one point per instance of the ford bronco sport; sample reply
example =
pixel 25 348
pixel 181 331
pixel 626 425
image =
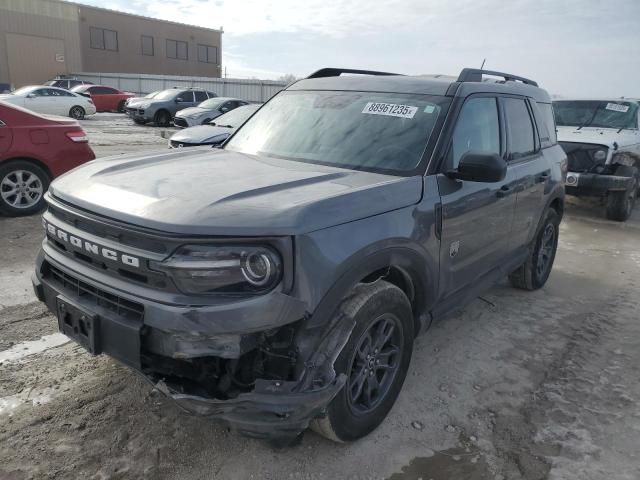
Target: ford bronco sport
pixel 602 141
pixel 280 280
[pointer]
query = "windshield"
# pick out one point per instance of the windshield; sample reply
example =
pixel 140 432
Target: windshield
pixel 212 103
pixel 358 130
pixel 596 113
pixel 23 90
pixel 80 88
pixel 236 117
pixel 167 94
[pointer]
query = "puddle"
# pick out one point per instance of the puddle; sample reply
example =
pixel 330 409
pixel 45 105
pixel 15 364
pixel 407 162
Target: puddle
pixel 25 349
pixel 452 464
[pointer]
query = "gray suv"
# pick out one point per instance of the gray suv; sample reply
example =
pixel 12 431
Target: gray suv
pixel 163 106
pixel 279 282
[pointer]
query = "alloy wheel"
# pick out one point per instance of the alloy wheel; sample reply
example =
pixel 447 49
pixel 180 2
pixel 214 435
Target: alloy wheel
pixel 21 189
pixel 374 364
pixel 545 253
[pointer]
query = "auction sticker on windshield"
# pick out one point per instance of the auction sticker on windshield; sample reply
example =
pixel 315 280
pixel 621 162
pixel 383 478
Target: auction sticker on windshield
pixel 616 107
pixel 390 109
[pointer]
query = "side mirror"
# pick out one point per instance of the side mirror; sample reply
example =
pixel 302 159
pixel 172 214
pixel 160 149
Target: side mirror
pixel 31 95
pixel 179 100
pixel 480 167
pixel 224 109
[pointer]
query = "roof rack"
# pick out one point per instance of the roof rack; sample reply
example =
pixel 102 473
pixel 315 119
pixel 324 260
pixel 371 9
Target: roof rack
pixel 336 72
pixel 475 75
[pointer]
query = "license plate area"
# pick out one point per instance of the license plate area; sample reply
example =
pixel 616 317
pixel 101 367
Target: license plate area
pixel 79 324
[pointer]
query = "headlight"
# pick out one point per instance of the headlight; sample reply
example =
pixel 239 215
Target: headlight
pixel 233 269
pixel 600 155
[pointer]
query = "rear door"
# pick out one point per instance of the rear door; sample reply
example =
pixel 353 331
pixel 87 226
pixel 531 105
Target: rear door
pixel 476 217
pixel 200 96
pixel 529 167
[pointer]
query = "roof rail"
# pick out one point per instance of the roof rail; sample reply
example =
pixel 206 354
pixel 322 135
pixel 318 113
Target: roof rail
pixel 336 72
pixel 475 75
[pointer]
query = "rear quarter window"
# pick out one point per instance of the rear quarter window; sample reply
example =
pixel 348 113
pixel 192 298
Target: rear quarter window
pixel 548 124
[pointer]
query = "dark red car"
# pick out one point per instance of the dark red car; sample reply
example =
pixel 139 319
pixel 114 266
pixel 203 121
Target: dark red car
pixel 106 99
pixel 34 149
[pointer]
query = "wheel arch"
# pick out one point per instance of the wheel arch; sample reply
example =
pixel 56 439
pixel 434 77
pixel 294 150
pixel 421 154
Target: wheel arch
pixel 404 267
pixel 39 163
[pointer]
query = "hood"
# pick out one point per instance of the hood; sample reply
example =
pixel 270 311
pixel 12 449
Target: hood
pixel 594 135
pixel 195 111
pixel 200 134
pixel 217 192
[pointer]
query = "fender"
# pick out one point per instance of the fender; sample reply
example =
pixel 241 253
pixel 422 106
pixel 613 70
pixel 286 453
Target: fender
pixel 419 267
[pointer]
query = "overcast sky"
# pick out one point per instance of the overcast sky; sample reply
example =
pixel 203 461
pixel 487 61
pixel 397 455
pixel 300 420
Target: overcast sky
pixel 571 47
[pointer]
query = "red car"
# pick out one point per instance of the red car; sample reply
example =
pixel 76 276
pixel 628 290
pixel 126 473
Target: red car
pixel 106 99
pixel 34 149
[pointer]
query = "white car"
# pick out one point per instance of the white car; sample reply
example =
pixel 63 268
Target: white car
pixel 51 100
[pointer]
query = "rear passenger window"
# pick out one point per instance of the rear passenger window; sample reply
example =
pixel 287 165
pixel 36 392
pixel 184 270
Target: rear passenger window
pixel 200 96
pixel 521 133
pixel 477 129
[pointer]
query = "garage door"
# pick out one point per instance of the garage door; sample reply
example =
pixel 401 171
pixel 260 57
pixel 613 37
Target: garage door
pixel 34 60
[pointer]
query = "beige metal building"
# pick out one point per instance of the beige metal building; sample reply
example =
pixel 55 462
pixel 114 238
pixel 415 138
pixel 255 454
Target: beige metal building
pixel 40 39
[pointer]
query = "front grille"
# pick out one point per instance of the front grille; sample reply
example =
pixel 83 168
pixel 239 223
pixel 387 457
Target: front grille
pixel 580 157
pixel 180 122
pixel 114 303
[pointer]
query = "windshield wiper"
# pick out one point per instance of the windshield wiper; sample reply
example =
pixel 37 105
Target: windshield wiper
pixel 590 121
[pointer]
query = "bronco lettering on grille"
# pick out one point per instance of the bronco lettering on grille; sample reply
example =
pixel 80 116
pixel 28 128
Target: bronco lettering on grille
pixel 90 247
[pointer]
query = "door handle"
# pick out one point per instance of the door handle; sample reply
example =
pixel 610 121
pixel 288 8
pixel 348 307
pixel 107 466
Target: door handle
pixel 504 190
pixel 543 177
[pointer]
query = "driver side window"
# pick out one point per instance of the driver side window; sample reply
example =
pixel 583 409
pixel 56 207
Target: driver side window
pixel 477 129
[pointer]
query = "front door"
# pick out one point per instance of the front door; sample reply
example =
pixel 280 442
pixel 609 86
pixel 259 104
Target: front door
pixel 476 217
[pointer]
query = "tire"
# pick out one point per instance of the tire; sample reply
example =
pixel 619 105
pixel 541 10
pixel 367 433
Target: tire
pixel 535 271
pixel 121 107
pixel 77 112
pixel 162 118
pixel 374 307
pixel 29 196
pixel 620 204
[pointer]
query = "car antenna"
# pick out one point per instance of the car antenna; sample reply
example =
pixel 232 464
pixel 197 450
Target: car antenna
pixel 482 66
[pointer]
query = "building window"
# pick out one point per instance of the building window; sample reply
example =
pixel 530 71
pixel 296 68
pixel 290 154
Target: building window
pixel 103 39
pixel 207 54
pixel 177 49
pixel 147 45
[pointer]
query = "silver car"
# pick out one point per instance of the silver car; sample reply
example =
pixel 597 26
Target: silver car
pixel 206 111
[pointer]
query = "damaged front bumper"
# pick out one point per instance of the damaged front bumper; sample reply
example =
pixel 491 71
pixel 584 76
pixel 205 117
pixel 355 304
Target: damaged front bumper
pixel 164 346
pixel 273 410
pixel 593 184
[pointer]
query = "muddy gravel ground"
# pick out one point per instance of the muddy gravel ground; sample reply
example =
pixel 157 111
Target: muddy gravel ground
pixel 518 385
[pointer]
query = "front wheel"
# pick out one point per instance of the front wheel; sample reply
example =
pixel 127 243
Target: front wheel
pixel 375 359
pixel 162 118
pixel 535 271
pixel 22 188
pixel 620 204
pixel 77 112
pixel 121 107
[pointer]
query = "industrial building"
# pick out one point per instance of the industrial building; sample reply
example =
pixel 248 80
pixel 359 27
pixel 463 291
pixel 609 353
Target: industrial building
pixel 40 39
